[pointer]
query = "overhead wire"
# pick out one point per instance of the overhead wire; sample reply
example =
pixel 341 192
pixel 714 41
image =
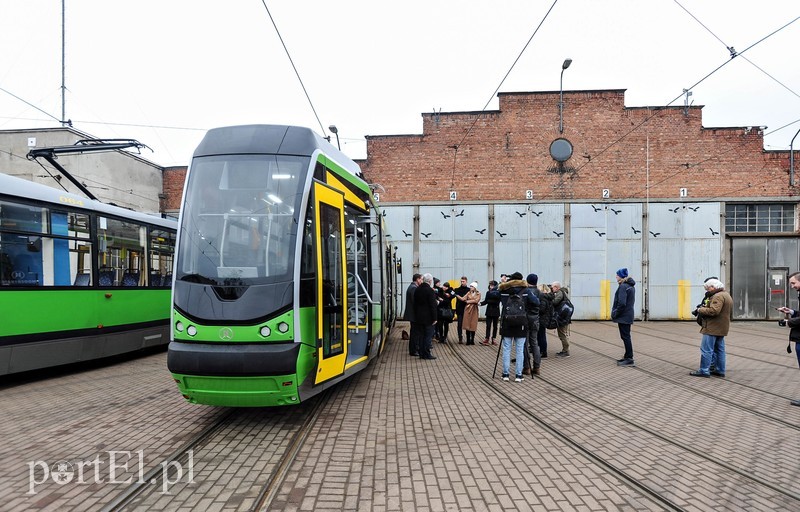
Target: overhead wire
pixel 297 73
pixel 29 104
pixel 732 50
pixel 661 109
pixel 491 97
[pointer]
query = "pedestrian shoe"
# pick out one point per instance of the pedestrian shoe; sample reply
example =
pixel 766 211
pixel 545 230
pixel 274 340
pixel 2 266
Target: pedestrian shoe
pixel 544 355
pixel 717 374
pixel 628 362
pixel 414 354
pixel 494 342
pixel 427 357
pixel 484 342
pixel 562 354
pixel 698 373
pixel 535 371
pixel 505 377
pixel 519 378
pixel 795 402
pixel 526 371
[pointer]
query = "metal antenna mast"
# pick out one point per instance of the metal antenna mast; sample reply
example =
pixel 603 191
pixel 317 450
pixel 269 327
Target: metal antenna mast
pixel 64 121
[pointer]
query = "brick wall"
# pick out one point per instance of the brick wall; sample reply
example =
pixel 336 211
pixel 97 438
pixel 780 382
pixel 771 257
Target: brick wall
pixel 501 154
pixel 173 188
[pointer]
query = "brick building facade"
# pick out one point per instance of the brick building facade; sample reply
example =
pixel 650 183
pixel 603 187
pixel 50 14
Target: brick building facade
pixel 499 155
pixel 574 198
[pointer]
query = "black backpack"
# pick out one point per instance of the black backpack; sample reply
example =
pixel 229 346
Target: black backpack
pixel 564 314
pixel 515 314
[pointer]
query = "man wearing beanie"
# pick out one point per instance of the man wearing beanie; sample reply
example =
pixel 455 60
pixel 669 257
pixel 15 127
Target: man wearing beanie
pixel 622 313
pixel 534 314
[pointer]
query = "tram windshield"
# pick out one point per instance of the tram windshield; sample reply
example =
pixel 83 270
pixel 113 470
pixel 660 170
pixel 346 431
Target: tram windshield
pixel 239 224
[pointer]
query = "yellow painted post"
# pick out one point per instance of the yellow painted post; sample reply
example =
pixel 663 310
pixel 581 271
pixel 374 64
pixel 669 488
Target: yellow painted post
pixel 605 299
pixel 684 299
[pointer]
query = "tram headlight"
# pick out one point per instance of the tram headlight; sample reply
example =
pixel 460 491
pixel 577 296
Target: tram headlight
pixel 179 326
pixel 191 330
pixel 265 331
pixel 283 327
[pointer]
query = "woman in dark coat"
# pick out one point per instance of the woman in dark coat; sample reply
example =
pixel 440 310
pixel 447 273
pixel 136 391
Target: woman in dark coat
pixel 622 313
pixel 445 310
pixel 492 314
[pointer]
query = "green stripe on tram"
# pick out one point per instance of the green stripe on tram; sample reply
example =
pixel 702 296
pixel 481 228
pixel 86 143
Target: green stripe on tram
pixel 37 311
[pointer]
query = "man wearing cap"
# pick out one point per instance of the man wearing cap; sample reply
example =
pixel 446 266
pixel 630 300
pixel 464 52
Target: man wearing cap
pixel 716 319
pixel 622 313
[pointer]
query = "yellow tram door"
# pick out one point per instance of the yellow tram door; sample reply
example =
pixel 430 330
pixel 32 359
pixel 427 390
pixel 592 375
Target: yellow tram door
pixel 331 283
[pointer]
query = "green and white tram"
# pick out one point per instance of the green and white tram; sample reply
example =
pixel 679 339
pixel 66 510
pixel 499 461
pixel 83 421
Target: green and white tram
pixel 79 279
pixel 282 276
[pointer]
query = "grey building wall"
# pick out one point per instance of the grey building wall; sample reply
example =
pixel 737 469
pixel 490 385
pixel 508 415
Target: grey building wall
pixel 114 177
pixel 669 248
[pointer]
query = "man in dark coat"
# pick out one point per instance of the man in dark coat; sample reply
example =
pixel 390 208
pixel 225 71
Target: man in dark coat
pixel 794 320
pixel 425 315
pixel 415 333
pixel 622 313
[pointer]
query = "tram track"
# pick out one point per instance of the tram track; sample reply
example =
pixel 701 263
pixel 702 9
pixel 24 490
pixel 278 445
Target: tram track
pixel 631 480
pixel 695 343
pixel 271 427
pixel 694 389
pixel 487 382
pixel 155 475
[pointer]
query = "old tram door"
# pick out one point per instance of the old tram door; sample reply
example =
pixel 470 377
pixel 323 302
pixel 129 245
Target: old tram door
pixel 776 289
pixel 331 283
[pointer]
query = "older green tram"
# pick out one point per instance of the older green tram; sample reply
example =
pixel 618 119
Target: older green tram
pixel 80 280
pixel 282 278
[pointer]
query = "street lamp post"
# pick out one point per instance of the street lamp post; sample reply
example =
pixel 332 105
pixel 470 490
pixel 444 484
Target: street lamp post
pixel 564 66
pixel 335 131
pixel 791 160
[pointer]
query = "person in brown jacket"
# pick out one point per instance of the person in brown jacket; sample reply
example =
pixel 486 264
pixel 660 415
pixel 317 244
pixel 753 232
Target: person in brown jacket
pixel 716 319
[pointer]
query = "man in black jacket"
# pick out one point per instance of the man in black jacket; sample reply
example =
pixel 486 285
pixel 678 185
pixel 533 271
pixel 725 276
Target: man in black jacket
pixel 415 332
pixel 794 320
pixel 425 315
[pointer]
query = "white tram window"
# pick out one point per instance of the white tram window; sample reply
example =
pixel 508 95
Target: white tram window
pixel 121 253
pixel 21 258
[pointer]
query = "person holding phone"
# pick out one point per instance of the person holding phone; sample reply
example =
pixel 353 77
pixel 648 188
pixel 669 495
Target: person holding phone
pixel 793 320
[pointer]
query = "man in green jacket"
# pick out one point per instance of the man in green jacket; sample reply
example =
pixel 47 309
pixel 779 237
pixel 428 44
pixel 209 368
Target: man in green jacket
pixel 716 324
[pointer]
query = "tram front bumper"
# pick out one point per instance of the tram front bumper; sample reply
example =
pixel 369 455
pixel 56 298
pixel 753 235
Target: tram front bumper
pixel 246 375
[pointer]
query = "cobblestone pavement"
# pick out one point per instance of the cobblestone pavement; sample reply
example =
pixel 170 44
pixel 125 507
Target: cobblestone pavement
pixel 410 434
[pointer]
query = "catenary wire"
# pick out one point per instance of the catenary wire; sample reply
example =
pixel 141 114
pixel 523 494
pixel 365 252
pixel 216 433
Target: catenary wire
pixel 297 73
pixel 29 104
pixel 733 51
pixel 491 97
pixel 618 140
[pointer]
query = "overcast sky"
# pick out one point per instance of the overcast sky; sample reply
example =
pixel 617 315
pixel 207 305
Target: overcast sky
pixel 164 71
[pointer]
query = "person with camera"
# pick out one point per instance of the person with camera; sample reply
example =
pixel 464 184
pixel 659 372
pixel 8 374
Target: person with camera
pixel 716 318
pixel 793 321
